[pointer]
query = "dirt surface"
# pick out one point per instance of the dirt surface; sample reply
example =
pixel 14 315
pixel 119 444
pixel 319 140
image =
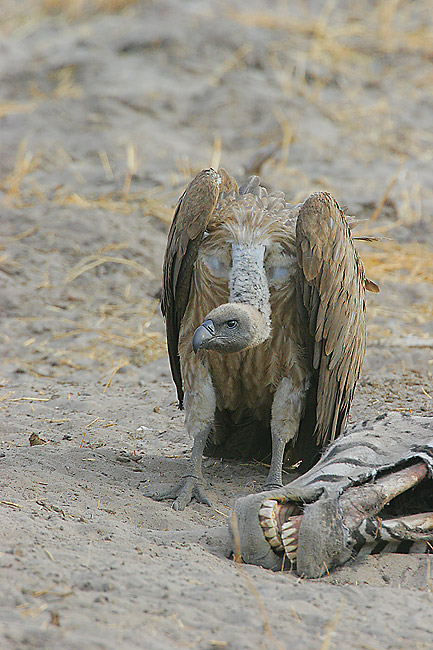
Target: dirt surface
pixel 105 113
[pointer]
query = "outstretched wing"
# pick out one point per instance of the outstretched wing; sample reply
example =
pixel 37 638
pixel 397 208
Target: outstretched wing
pixel 331 297
pixel 192 215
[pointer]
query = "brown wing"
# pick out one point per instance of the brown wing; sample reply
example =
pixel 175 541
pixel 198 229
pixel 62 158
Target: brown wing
pixel 192 215
pixel 331 291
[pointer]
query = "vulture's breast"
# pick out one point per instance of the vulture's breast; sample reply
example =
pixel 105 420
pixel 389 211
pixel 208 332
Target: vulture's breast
pixel 248 378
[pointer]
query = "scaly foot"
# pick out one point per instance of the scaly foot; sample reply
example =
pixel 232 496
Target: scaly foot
pixel 189 488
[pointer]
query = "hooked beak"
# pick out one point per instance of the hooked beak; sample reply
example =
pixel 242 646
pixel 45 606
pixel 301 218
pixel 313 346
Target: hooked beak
pixel 203 334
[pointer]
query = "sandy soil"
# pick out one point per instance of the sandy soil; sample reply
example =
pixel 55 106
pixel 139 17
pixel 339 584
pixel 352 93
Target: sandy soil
pixel 104 118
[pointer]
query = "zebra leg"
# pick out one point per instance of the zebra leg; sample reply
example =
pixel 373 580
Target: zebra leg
pixel 359 502
pixel 415 529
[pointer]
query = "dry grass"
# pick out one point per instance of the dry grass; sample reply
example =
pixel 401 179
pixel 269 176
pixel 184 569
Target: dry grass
pixel 118 334
pixel 405 263
pixel 82 8
pixel 393 265
pixel 119 328
pixel 389 27
pixel 93 261
pixel 108 344
pixel 330 59
pixel 21 190
pixel 147 202
pixel 25 164
pixel 65 86
pixel 332 625
pixel 25 15
pixel 10 108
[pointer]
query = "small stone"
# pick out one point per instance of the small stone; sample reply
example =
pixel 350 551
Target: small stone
pixel 143 429
pixel 35 440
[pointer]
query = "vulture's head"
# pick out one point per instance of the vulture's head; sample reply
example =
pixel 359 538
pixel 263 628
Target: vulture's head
pixel 231 327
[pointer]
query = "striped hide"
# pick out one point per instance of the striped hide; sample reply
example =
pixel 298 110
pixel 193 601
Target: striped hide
pixel 371 492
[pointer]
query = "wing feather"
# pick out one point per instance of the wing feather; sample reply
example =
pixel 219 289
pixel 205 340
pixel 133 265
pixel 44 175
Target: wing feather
pixel 331 286
pixel 191 218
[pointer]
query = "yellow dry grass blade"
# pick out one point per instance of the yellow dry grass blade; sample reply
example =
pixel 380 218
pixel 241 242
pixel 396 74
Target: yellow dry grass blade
pixel 92 261
pixel 25 163
pixel 149 204
pixel 80 8
pixel 9 108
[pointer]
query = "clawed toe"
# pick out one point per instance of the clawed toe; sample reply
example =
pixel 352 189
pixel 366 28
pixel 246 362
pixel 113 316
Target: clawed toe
pixel 200 495
pixel 183 493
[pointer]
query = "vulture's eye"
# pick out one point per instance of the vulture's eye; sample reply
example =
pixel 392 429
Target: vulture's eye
pixel 231 324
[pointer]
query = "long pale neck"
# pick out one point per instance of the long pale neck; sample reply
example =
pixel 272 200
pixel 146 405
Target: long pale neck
pixel 248 282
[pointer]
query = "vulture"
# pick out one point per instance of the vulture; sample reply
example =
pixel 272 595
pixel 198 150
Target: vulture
pixel 264 304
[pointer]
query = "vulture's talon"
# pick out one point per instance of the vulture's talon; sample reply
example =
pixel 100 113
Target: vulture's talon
pixel 184 492
pixel 164 496
pixel 190 489
pixel 201 496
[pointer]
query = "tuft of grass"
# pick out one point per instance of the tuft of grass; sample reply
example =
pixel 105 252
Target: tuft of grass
pixel 25 164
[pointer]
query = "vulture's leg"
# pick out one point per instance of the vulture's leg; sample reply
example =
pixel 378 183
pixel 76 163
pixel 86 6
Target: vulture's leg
pixel 287 409
pixel 192 484
pixel 200 406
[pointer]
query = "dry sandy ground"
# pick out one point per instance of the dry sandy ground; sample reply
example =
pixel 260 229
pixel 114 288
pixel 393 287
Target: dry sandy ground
pixel 104 117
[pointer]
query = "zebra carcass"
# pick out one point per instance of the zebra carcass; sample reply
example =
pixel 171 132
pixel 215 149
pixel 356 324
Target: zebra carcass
pixel 371 491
